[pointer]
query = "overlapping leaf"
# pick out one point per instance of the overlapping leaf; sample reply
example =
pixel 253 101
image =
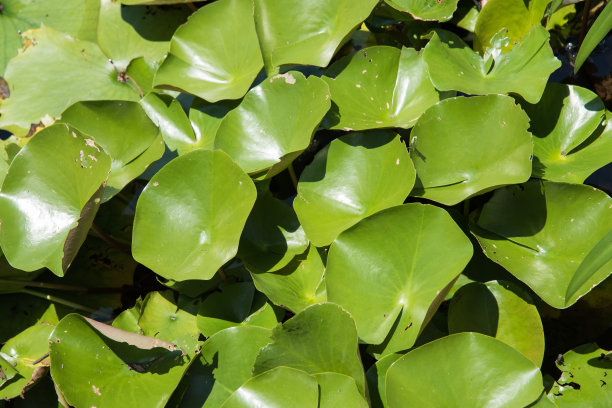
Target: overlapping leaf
pixel 441 10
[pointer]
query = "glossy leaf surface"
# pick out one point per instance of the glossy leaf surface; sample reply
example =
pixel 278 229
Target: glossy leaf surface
pixel 441 10
pixel 398 261
pixel 379 87
pixel 50 197
pixel 462 147
pixel 162 318
pixel 531 239
pixel 483 372
pixel 184 228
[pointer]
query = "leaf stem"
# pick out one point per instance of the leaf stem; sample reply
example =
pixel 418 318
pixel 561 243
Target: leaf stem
pixel 585 20
pixel 110 240
pixel 129 78
pixel 56 299
pixel 191 6
pixel 294 178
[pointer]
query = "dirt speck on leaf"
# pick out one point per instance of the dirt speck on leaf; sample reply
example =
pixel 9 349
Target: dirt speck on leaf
pixel 290 79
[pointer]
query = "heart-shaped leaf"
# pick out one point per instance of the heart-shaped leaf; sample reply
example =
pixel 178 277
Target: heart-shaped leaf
pixel 441 10
pixel 523 70
pixel 571 142
pixel 222 67
pixel 398 261
pixel 463 146
pixel 352 178
pixel 501 310
pixel 184 228
pixel 526 230
pixel 468 370
pixel 379 87
pixel 93 369
pixel 274 123
pixel 307 33
pixel 49 198
pixel 124 131
pixel 321 338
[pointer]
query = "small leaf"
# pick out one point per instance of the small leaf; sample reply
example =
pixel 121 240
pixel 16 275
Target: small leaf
pixel 162 318
pixel 600 28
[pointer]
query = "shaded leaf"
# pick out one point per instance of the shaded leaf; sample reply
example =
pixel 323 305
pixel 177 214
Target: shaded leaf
pixel 161 317
pixel 339 390
pixel 600 28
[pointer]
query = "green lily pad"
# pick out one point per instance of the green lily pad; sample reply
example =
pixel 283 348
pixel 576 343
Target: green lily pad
pixel 571 142
pixel 441 10
pixel 275 388
pixel 501 310
pixel 24 355
pixel 236 305
pixel 339 390
pixel 274 123
pixel 222 67
pixel 49 199
pixel 272 236
pixel 296 286
pixel 376 376
pixel 584 380
pixel 114 368
pixel 525 229
pixel 398 262
pixel 184 228
pixel 321 338
pixel 74 71
pixel 468 370
pixel 128 319
pixel 75 17
pixel 379 87
pixel 523 70
pixel 463 147
pixel 161 317
pixel 205 118
pixel 124 131
pixel 307 33
pixel 352 178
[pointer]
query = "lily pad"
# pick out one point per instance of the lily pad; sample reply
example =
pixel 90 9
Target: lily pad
pixel 379 87
pixel 307 33
pixel 339 390
pixel 49 199
pixel 163 318
pixel 124 131
pixel 501 310
pixel 183 227
pixel 376 376
pixel 584 380
pixel 525 229
pixel 237 305
pixel 296 286
pixel 571 140
pixel 321 338
pixel 222 67
pixel 92 369
pixel 274 123
pixel 523 70
pixel 463 147
pixel 398 261
pixel 466 369
pixel 275 388
pixel 74 71
pixel 352 178
pixel 441 10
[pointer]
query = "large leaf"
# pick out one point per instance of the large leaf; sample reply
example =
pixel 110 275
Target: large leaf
pixel 526 230
pixel 74 70
pixel 50 197
pixel 467 370
pixel 352 178
pixel 91 368
pixel 523 70
pixel 124 131
pixel 379 87
pixel 584 378
pixel 398 261
pixel 75 17
pixel 600 28
pixel 24 356
pixel 275 388
pixel 272 236
pixel 441 10
pixel 463 146
pixel 274 122
pixel 569 143
pixel 185 227
pixel 501 310
pixel 307 33
pixel 296 286
pixel 321 338
pixel 222 67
